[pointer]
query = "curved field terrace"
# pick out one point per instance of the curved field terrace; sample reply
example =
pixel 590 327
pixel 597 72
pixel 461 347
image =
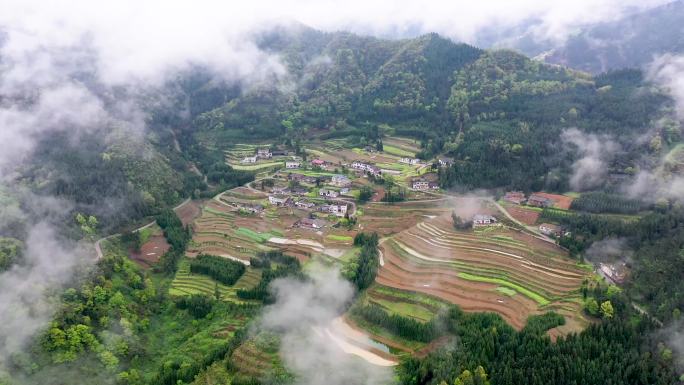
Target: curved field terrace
pixel 491 269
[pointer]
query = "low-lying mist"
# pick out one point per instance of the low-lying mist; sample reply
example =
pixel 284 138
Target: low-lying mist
pixel 303 310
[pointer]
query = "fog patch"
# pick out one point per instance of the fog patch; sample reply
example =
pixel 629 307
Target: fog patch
pixel 609 250
pixel 25 289
pixel 650 187
pixel 591 168
pixel 668 71
pixel 301 312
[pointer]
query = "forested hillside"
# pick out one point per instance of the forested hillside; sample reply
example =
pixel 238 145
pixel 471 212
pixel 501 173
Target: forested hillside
pixel 630 42
pixel 498 113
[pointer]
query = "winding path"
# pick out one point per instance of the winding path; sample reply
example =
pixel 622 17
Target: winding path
pixel 98 243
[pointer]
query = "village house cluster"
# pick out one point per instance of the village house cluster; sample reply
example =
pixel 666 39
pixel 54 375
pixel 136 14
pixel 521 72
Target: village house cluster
pixel 264 153
pixel 536 200
pixel 422 183
pixel 366 168
pixel 614 272
pixel 480 220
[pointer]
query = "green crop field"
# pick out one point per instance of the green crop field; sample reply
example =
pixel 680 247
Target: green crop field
pixel 405 309
pixel 341 238
pixel 523 290
pixel 506 291
pixel 253 235
pixel 186 283
pixel 255 166
pixel 393 150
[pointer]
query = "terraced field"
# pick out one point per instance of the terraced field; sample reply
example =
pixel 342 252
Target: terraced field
pixel 497 270
pixel 238 152
pixel 388 219
pixel 221 230
pixel 186 283
pixel 405 303
pixel 252 360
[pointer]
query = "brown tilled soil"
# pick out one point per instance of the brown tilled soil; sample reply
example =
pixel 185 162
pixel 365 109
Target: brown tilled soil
pixel 189 212
pixel 150 251
pixel 390 219
pixel 562 201
pixel 425 267
pixel 446 285
pixel 526 216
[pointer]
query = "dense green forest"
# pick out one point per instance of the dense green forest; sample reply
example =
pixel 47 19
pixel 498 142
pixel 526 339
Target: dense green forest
pixel 275 265
pixel 221 269
pixel 10 252
pixel 655 243
pixel 607 353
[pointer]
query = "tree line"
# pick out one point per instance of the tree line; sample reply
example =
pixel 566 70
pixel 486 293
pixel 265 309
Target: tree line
pixel 601 202
pixel 401 326
pixel 609 353
pixel 285 266
pixel 177 236
pixel 224 270
pixel 366 268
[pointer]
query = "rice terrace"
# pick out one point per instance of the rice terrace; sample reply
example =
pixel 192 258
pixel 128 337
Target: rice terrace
pixel 265 193
pixel 312 213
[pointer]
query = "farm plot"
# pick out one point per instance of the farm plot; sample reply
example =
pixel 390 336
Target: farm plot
pixel 222 231
pixel 561 201
pixel 187 283
pixel 189 212
pixel 500 270
pixel 251 359
pixel 418 306
pixel 406 144
pixel 151 250
pixel 245 194
pixel 524 215
pixel 404 303
pixel 388 219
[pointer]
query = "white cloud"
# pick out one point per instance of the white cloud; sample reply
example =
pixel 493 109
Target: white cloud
pixel 301 311
pixel 590 169
pixel 668 71
pixel 26 306
pixel 144 39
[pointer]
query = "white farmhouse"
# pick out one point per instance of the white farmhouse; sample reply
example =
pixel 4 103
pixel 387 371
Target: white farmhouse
pixel 264 153
pixel 249 159
pixel 340 181
pixel 409 161
pixel 279 200
pixel 328 193
pixel 483 220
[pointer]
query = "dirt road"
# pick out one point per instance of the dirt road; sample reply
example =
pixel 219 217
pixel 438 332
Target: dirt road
pixel 98 243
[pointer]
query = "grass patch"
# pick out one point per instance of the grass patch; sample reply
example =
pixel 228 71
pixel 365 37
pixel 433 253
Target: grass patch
pixel 255 166
pixel 253 235
pixel 522 290
pixel 341 238
pixel 415 311
pixel 393 150
pixel 411 296
pixel 506 291
pixel 186 283
pixel 145 234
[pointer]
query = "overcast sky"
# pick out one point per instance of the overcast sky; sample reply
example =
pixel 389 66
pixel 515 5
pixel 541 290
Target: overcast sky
pixel 140 39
